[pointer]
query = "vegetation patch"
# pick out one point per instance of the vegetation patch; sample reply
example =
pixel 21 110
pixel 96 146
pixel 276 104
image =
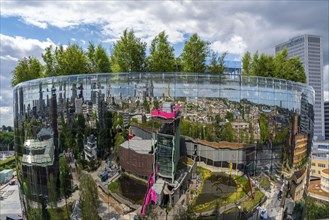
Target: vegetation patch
pixel 8 163
pixel 315 209
pixel 184 162
pixel 60 213
pixel 265 183
pixel 114 186
pixel 251 202
pixel 230 189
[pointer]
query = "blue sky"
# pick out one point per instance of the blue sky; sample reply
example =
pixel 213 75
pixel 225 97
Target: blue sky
pixel 27 27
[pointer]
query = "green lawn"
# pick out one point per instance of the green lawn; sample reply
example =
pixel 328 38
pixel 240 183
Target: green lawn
pixel 265 183
pixel 251 202
pixel 114 186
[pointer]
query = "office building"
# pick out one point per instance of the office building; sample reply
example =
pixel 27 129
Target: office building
pixel 326 120
pixel 309 49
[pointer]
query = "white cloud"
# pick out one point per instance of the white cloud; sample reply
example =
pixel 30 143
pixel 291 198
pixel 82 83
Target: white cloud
pixel 6 116
pixel 235 45
pixel 231 26
pixel 13 49
pixel 8 57
pixel 326 82
pixel 18 47
pixel 5 110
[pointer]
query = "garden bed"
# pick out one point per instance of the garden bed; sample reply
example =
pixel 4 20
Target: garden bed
pixel 218 189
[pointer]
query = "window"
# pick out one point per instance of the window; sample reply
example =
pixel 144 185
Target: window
pixel 319 172
pixel 313 164
pixel 321 165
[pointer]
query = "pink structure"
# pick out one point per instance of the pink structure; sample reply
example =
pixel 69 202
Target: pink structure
pixel 150 193
pixel 165 114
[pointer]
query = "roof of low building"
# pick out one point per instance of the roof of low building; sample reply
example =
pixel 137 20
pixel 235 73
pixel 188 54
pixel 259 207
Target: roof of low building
pixel 139 145
pixel 45 159
pixel 225 144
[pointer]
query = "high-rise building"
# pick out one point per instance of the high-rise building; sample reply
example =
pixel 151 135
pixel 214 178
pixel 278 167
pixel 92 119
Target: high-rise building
pixel 309 49
pixel 326 119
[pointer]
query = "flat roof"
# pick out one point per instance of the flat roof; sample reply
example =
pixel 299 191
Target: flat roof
pixel 45 159
pixel 10 205
pixel 139 145
pixel 35 144
pixel 225 144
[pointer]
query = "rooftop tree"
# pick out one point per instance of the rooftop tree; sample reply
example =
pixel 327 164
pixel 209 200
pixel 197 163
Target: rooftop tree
pixel 27 69
pixel 194 55
pixel 129 53
pixel 161 57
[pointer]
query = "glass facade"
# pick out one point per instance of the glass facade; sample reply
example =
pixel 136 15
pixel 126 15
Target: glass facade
pixel 242 120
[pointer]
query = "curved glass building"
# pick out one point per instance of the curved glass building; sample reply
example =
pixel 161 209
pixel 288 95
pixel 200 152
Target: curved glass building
pixel 247 124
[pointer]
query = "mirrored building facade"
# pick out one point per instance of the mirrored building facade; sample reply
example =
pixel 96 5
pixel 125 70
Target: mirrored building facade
pixel 257 124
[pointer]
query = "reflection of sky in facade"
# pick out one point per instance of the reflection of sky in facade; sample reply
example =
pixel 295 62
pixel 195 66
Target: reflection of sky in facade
pixel 258 90
pixel 232 64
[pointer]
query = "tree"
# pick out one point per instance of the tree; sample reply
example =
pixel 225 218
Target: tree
pixel 229 116
pixel 50 62
pixel 254 67
pixel 161 57
pixel 88 197
pixel 98 59
pixel 26 69
pixel 65 179
pixel 194 54
pixel 221 66
pixel 264 128
pixel 129 53
pixel 74 61
pixel 227 132
pixel 213 67
pixel 102 60
pixel 246 61
pixel 278 66
pixel 52 192
pixel 251 132
pixel 91 57
pixel 71 60
pixel 81 125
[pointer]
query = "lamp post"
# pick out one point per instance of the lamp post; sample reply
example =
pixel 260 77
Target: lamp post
pixel 239 207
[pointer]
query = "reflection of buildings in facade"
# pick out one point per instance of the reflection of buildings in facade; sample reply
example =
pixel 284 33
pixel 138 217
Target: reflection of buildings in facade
pixel 137 156
pixel 299 148
pixel 38 162
pixel 326 119
pixel 325 180
pixel 309 49
pixel 221 154
pixel 298 181
pixel 202 97
pixel 168 141
pixel 90 148
pixel 232 67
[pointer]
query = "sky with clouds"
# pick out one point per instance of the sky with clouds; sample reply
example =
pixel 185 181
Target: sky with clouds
pixel 27 27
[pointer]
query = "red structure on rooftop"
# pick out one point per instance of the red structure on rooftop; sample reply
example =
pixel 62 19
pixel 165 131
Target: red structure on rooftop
pixel 167 111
